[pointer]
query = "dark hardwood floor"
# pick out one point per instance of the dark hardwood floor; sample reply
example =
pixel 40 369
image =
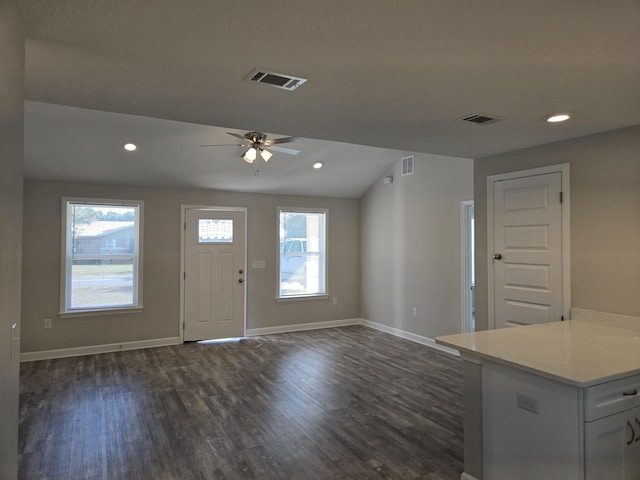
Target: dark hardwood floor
pixel 343 403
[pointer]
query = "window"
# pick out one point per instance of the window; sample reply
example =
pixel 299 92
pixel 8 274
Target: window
pixel 101 255
pixel 215 230
pixel 302 259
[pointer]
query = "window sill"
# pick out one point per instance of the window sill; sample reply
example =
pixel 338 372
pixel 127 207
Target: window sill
pixel 100 312
pixel 321 296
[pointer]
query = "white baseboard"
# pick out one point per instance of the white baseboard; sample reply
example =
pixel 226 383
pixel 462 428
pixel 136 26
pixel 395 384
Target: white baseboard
pixel 429 342
pixel 93 349
pixel 466 476
pixel 300 327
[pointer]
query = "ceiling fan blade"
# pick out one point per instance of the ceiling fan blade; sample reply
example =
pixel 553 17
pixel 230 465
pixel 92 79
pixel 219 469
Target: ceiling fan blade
pixel 283 140
pixel 224 145
pixel 237 135
pixel 290 151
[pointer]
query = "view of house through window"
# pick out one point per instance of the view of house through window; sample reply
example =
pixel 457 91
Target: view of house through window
pixel 101 255
pixel 215 230
pixel 302 259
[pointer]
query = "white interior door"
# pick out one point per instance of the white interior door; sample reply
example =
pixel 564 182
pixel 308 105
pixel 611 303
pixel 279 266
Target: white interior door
pixel 526 257
pixel 215 265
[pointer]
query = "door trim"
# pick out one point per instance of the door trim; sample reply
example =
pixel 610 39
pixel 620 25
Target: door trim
pixel 563 168
pixel 466 243
pixel 183 223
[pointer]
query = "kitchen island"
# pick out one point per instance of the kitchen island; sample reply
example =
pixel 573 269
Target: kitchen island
pixel 551 401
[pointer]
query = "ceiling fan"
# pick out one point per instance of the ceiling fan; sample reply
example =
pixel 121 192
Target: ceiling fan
pixel 257 143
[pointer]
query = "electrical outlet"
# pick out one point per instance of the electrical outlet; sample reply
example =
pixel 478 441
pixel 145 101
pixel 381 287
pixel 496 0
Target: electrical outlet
pixel 335 300
pixel 47 323
pixel 414 311
pixel 527 403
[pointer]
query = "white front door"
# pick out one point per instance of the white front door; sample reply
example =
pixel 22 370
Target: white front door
pixel 526 256
pixel 215 265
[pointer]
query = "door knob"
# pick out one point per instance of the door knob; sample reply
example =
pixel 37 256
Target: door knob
pixel 240 272
pixel 240 280
pixel 497 256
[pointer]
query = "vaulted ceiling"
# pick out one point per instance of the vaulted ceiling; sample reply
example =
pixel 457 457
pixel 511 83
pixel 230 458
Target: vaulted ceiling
pixel 394 75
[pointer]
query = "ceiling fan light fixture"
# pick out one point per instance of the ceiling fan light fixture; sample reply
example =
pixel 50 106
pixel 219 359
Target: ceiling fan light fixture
pixel 255 143
pixel 250 155
pixel 266 155
pixel 318 165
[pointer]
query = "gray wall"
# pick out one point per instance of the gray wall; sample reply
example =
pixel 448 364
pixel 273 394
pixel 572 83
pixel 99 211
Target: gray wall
pixel 605 217
pixel 160 318
pixel 411 246
pixel 11 145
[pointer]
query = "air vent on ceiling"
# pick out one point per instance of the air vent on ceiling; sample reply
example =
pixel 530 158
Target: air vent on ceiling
pixel 407 165
pixel 479 119
pixel 278 80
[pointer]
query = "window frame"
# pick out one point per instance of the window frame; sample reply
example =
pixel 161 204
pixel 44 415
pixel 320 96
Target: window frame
pixel 324 255
pixel 66 259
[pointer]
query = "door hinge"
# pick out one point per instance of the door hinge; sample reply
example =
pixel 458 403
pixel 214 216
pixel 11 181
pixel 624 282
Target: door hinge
pixel 562 318
pixel 560 197
pixel 184 275
pixel 185 226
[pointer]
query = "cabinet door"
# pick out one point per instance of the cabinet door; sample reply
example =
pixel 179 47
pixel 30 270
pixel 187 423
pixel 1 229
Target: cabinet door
pixel 634 450
pixel 612 447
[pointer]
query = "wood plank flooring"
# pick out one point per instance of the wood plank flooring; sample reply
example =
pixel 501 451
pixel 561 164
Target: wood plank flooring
pixel 342 403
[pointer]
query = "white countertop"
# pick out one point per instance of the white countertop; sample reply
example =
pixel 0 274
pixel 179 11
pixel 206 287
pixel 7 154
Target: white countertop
pixel 574 352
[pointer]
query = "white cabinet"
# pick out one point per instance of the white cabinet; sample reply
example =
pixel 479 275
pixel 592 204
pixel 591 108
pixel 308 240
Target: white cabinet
pixel 556 400
pixel 531 428
pixel 612 447
pixel 538 428
pixel 612 430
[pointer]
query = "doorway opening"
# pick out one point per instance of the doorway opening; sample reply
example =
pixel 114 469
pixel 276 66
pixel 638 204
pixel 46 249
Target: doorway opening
pixel 468 267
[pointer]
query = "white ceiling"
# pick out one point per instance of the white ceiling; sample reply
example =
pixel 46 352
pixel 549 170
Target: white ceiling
pixel 385 74
pixel 75 144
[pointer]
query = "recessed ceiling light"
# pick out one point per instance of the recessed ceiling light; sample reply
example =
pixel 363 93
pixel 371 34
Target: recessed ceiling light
pixel 130 147
pixel 557 118
pixel 318 165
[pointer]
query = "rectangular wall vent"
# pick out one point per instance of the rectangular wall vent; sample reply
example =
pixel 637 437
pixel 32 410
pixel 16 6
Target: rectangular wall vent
pixel 278 80
pixel 407 165
pixel 479 119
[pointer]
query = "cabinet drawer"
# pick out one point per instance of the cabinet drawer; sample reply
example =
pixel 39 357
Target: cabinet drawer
pixel 612 397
